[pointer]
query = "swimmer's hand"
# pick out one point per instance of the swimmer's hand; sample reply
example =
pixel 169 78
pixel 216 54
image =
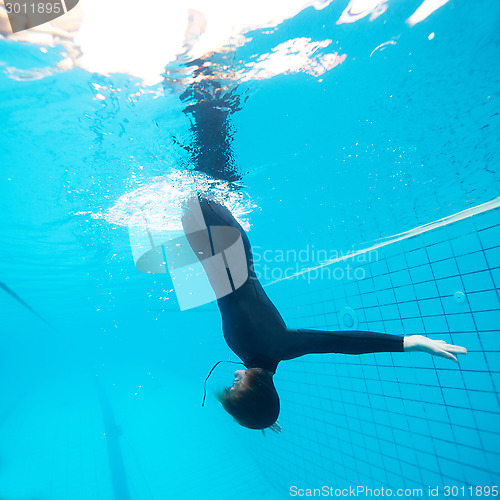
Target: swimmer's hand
pixel 276 427
pixel 434 347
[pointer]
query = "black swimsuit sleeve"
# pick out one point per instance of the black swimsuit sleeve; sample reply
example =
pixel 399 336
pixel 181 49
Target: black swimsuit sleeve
pixel 300 342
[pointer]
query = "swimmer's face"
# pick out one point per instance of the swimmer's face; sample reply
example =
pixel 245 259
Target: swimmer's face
pixel 239 379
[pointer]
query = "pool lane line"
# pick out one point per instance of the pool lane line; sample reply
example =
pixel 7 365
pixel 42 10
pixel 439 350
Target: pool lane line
pixel 389 240
pixel 14 295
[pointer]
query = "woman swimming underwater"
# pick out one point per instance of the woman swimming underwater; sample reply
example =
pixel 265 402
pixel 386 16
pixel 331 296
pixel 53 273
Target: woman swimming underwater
pixel 253 328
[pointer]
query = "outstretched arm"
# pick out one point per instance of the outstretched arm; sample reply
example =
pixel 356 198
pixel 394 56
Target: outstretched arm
pixel 300 342
pixel 434 347
pixel 297 343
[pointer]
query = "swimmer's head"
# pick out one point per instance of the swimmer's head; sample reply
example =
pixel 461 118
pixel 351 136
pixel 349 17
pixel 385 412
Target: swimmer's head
pixel 252 400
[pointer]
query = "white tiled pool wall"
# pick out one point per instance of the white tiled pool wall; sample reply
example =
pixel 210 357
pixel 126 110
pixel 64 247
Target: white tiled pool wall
pixel 396 419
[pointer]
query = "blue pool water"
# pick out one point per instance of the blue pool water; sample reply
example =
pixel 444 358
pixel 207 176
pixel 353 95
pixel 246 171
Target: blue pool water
pixel 392 154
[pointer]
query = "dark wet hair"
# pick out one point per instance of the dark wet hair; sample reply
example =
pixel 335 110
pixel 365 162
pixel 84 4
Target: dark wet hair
pixel 255 406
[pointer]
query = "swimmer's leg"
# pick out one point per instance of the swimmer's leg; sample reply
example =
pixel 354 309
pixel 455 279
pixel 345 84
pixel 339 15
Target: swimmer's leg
pixel 201 212
pixel 219 242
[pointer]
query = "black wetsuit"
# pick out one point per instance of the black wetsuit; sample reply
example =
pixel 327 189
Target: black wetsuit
pixel 209 106
pixel 254 329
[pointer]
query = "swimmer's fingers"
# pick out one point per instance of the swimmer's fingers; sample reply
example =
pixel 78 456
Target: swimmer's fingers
pixel 446 354
pixel 452 347
pixel 276 427
pixel 434 347
pixel 455 348
pixel 448 350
